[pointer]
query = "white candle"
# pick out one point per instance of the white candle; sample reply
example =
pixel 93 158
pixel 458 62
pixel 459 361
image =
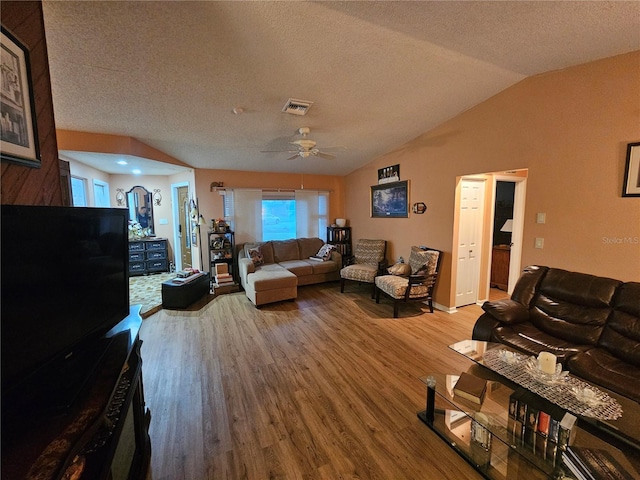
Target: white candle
pixel 547 362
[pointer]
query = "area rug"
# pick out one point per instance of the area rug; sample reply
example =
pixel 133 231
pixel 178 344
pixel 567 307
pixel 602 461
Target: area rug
pixel 146 290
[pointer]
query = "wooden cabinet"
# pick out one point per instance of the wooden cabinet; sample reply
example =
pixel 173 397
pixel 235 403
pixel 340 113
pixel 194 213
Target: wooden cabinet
pixel 148 256
pixel 222 250
pixel 341 238
pixel 500 259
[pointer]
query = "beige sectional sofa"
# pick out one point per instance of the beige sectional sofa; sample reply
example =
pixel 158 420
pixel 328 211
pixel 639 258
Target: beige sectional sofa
pixel 278 267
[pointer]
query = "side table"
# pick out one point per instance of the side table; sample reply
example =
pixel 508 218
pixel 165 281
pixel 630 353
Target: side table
pixel 181 295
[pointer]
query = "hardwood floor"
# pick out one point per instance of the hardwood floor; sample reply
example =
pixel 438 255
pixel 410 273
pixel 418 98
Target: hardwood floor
pixel 325 387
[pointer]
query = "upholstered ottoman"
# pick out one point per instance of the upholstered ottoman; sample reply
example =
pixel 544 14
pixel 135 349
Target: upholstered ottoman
pixel 271 283
pixel 181 295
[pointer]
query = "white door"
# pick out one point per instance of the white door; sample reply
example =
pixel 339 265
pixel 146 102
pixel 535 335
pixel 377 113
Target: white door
pixel 101 193
pixel 469 241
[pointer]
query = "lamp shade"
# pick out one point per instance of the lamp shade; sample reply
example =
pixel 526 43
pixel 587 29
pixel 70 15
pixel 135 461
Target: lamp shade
pixel 508 226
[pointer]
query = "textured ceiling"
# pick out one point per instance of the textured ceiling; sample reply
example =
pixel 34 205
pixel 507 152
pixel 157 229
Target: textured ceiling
pixel 379 73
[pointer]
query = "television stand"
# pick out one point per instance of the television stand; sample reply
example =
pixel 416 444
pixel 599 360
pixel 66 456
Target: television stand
pixel 103 434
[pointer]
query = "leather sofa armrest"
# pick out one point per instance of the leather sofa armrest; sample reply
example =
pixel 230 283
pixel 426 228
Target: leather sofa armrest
pixel 507 311
pixel 336 257
pixel 484 327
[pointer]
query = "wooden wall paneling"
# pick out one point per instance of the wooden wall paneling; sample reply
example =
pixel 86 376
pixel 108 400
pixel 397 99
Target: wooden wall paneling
pixel 20 184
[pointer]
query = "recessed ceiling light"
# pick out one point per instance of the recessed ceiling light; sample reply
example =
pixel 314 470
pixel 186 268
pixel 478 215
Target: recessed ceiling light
pixel 136 171
pixel 121 162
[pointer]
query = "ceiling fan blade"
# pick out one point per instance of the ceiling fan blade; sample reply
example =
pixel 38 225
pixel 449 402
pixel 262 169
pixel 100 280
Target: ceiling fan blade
pixel 328 156
pixel 278 151
pixel 294 157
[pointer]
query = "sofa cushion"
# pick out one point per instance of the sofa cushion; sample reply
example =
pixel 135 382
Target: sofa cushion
pixel 308 247
pixel 271 277
pixel 284 250
pixel 573 306
pixel 621 334
pixel 507 311
pixel 527 338
pixel 599 366
pixel 324 267
pixel 297 267
pixel 526 288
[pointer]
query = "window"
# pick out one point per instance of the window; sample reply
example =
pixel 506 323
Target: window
pixel 78 191
pixel 101 193
pixel 278 219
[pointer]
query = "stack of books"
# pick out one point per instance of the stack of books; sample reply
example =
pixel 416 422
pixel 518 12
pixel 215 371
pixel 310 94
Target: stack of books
pixel 594 464
pixel 223 277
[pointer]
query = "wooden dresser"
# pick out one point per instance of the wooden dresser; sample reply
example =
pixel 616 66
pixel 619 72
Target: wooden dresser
pixel 500 259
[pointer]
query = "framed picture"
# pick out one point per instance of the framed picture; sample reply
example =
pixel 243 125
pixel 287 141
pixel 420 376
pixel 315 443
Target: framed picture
pixel 631 187
pixel 19 138
pixel 389 174
pixel 390 200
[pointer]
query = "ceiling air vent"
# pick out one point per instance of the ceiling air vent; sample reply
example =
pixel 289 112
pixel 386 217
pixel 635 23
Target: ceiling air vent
pixel 296 107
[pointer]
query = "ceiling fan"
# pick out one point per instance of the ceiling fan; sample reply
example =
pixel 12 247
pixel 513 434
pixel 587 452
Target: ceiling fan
pixel 305 147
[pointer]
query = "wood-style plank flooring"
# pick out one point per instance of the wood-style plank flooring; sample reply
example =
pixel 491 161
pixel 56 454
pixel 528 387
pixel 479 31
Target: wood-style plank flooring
pixel 326 387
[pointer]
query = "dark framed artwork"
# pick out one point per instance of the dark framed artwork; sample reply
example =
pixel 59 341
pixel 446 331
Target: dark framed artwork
pixel 389 174
pixel 631 187
pixel 390 200
pixel 19 136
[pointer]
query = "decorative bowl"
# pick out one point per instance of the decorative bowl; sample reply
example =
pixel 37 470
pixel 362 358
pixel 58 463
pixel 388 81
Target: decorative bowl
pixel 508 357
pixel 588 396
pixel 560 376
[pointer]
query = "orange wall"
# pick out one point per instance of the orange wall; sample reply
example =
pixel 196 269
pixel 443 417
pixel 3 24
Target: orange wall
pixel 105 143
pixel 570 129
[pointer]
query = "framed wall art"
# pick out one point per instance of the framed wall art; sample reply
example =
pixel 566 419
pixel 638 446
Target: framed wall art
pixel 390 200
pixel 631 187
pixel 389 174
pixel 19 137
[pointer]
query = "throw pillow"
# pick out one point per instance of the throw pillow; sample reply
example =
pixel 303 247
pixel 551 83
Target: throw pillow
pixel 325 251
pixel 400 269
pixel 256 256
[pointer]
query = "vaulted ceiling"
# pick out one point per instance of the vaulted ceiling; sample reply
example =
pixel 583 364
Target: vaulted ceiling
pixel 171 73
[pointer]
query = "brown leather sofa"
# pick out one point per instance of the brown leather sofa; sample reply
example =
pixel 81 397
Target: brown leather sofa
pixel 591 323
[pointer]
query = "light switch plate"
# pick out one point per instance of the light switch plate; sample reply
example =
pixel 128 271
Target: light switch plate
pixel 539 243
pixel 541 218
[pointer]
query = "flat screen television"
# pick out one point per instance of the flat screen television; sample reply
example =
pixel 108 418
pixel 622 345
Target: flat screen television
pixel 65 283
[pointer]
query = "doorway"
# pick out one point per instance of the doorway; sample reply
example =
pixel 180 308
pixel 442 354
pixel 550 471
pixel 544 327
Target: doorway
pixel 182 237
pixel 473 251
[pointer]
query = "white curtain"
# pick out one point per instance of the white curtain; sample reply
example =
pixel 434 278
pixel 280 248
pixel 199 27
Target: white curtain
pixel 246 218
pixel 312 211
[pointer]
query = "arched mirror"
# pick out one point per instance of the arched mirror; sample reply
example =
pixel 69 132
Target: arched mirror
pixel 140 205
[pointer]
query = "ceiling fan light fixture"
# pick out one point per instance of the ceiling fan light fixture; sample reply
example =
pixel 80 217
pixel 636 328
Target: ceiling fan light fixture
pixel 297 107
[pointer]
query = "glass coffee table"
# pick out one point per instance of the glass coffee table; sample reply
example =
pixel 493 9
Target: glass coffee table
pixel 520 432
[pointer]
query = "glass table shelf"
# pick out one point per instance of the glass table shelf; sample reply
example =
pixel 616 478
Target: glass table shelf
pixel 513 433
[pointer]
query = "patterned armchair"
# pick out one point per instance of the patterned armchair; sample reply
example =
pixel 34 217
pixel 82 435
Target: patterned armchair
pixel 418 286
pixel 366 263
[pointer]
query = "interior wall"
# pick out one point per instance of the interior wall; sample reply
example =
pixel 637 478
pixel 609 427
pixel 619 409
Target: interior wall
pixel 25 185
pixel 570 129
